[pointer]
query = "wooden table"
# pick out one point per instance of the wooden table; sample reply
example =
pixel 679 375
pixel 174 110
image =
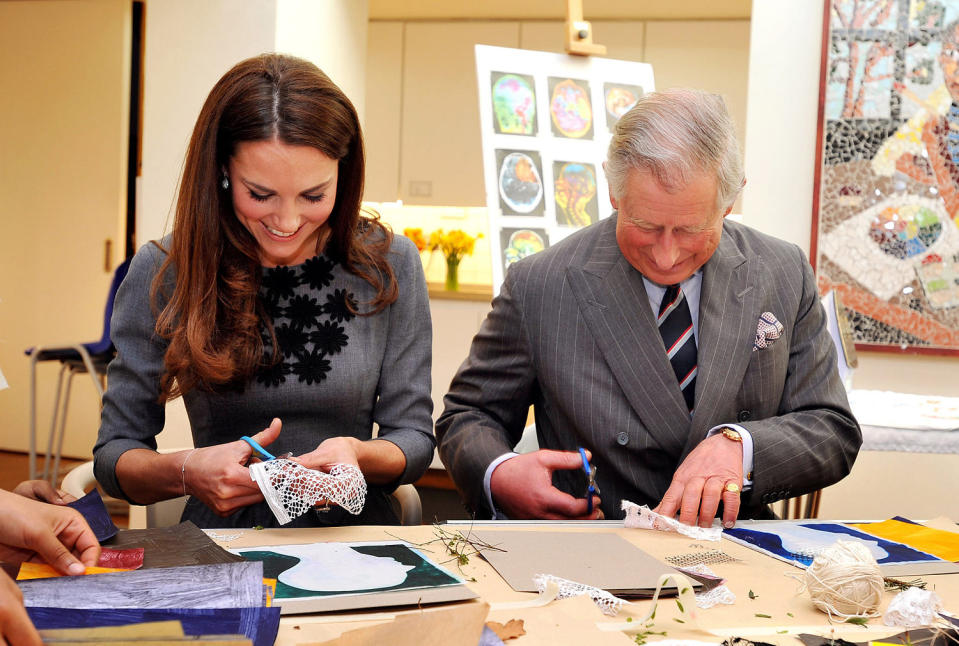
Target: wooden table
pixel 774 585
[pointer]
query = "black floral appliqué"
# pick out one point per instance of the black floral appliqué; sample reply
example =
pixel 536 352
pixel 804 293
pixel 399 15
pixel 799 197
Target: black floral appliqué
pixel 280 283
pixel 273 375
pixel 329 338
pixel 311 367
pixel 338 305
pixel 303 312
pixel 318 272
pixel 290 339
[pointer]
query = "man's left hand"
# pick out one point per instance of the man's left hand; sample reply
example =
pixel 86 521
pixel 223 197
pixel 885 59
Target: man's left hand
pixel 701 481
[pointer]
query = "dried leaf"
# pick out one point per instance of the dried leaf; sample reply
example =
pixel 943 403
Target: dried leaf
pixel 511 630
pixel 753 595
pixel 759 614
pixel 859 621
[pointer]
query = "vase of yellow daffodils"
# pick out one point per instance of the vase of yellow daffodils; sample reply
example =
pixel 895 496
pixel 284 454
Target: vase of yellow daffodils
pixel 454 244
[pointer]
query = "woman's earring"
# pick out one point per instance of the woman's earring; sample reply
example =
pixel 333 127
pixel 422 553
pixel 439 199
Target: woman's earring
pixel 225 183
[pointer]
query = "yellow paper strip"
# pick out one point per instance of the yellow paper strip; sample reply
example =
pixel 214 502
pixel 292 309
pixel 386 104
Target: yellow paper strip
pixel 937 542
pixel 29 570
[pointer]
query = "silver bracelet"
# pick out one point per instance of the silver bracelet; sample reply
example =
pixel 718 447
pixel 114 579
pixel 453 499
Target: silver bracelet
pixel 183 470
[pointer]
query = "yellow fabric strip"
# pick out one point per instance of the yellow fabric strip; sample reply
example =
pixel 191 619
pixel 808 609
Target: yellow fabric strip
pixel 937 542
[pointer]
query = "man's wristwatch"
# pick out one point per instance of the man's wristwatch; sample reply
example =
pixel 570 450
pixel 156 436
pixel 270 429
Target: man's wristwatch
pixel 731 434
pixel 735 436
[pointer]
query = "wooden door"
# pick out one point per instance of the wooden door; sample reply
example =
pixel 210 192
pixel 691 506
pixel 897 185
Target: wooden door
pixel 63 138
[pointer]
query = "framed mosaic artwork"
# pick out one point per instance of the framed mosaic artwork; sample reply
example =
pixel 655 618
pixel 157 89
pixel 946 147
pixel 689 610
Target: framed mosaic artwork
pixel 886 198
pixel 546 123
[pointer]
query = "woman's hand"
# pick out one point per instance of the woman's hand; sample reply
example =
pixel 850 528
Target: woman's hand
pixel 218 475
pixel 32 530
pixel 43 491
pixel 335 450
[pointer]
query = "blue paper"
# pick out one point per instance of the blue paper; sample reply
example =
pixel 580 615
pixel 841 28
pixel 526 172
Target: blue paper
pixel 91 507
pixel 258 624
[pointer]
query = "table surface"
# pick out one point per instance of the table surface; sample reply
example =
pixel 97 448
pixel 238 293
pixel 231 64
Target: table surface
pixel 774 584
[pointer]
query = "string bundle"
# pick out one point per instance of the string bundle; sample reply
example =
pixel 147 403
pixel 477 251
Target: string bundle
pixel 844 581
pixel 291 489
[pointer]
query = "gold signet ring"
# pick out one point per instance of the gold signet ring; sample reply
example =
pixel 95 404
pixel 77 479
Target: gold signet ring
pixel 731 487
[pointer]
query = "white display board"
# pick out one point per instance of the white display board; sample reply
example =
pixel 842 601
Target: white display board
pixel 546 123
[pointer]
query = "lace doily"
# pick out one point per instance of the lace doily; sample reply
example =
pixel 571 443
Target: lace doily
pixel 291 489
pixel 606 602
pixel 643 517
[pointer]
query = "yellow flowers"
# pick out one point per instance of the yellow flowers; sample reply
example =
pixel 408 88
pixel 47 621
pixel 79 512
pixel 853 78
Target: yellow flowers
pixel 454 244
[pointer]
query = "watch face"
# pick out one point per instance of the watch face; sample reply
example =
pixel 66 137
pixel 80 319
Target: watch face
pixel 732 434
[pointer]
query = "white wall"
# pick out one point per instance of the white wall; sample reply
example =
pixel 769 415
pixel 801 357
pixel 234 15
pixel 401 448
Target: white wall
pixel 781 156
pixel 188 46
pixel 333 35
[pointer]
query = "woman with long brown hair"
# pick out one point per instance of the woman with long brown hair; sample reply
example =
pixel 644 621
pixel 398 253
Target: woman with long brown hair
pixel 276 305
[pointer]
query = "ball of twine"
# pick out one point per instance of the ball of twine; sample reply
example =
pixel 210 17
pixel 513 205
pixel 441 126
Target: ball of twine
pixel 844 580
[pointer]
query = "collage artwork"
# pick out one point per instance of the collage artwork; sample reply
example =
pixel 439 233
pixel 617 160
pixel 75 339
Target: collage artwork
pixel 547 120
pixel 886 203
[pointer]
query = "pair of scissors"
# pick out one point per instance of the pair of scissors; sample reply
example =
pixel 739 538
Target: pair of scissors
pixel 260 452
pixel 591 486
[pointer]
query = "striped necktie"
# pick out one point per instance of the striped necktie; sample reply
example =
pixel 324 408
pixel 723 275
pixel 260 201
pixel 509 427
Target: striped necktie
pixel 676 327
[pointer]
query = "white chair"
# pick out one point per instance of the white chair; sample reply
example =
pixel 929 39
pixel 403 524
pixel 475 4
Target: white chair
pixel 80 480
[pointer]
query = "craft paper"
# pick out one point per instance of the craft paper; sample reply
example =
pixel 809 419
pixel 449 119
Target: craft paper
pixel 222 585
pixel 95 512
pixel 260 624
pixel 605 561
pixel 798 543
pixel 128 559
pixel 110 561
pixel 317 577
pixel 179 545
pixel 29 570
pixel 945 545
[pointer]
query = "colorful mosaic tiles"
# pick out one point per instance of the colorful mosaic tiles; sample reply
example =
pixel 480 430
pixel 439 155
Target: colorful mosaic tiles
pixel 888 176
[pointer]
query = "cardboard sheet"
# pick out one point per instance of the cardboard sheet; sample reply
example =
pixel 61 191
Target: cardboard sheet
pixel 597 559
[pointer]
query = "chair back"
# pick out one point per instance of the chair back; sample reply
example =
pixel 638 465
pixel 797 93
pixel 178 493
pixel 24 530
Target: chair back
pixel 105 344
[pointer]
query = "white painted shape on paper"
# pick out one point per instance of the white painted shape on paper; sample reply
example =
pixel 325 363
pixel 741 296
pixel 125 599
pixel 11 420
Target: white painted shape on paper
pixel 332 567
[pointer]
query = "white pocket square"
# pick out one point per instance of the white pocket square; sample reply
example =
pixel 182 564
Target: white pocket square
pixel 768 330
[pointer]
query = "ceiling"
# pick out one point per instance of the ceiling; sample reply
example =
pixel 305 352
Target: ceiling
pixel 556 9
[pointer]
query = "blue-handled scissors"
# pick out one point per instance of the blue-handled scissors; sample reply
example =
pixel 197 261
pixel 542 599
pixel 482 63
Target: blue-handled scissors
pixel 591 486
pixel 262 453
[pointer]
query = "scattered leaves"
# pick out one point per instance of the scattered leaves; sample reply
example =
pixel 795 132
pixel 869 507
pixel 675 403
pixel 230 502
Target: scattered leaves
pixel 680 604
pixel 859 621
pixel 646 634
pixel 899 584
pixel 763 615
pixel 458 545
pixel 781 632
pixel 678 621
pixel 789 614
pixel 628 619
pixel 753 595
pixel 258 527
pixel 511 630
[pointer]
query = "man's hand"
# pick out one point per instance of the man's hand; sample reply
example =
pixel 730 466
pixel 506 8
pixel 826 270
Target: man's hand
pixel 699 483
pixel 43 491
pixel 217 475
pixel 15 626
pixel 522 487
pixel 32 530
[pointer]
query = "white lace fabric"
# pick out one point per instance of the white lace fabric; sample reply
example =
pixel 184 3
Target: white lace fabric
pixel 291 489
pixel 607 603
pixel 642 517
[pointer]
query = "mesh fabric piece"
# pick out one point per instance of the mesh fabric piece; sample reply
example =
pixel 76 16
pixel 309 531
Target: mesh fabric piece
pixel 643 517
pixel 607 603
pixel 720 594
pixel 291 489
